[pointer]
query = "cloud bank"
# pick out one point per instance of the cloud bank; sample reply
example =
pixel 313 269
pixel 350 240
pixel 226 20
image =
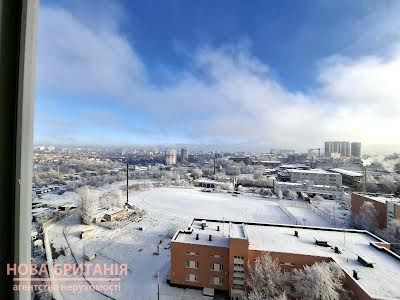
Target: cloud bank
pixel 225 93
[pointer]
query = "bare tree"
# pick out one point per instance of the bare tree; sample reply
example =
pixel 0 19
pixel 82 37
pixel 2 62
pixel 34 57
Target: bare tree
pixel 265 279
pixel 320 281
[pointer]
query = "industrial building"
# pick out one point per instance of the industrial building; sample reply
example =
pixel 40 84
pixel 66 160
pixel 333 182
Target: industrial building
pixel 349 178
pixel 309 189
pixel 184 156
pixel 387 207
pixel 317 176
pixel 216 255
pixel 170 157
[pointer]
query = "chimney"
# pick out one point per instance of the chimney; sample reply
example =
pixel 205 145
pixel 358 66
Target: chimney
pixel 209 238
pixel 218 228
pixel 355 274
pixel 365 179
pixel 197 236
pixel 296 233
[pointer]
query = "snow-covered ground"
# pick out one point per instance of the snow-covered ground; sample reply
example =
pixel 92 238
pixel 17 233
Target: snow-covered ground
pixel 167 208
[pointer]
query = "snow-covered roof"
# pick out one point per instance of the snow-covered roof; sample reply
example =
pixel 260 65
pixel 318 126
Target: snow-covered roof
pixel 113 210
pixel 314 171
pixel 381 281
pixel 380 198
pixel 346 172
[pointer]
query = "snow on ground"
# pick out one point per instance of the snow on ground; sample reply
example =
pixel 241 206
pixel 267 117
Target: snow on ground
pixel 336 210
pixel 305 216
pixel 168 209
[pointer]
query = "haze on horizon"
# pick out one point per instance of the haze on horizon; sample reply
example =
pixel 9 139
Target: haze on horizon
pixel 273 74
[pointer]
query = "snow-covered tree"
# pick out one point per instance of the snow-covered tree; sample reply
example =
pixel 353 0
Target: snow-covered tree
pixel 366 218
pixel 392 232
pixel 292 195
pixel 228 186
pixel 247 169
pixel 265 279
pixel 240 188
pixel 280 194
pixel 258 174
pixel 317 199
pixel 197 173
pixel 387 184
pixel 320 281
pixel 88 203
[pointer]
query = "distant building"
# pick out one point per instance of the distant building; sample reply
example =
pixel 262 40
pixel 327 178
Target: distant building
pixel 184 156
pixel 317 176
pixel 310 189
pixel 217 255
pixel 238 159
pixel 349 178
pixel 51 148
pixel 343 148
pixel 387 207
pixel 356 149
pixel 281 151
pixel 170 157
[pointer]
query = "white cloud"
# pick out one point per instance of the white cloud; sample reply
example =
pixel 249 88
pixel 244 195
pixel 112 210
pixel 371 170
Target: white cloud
pixel 227 92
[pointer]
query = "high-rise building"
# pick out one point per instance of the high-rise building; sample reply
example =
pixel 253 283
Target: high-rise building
pixel 184 156
pixel 341 147
pixel 170 157
pixel 328 149
pixel 345 149
pixel 356 149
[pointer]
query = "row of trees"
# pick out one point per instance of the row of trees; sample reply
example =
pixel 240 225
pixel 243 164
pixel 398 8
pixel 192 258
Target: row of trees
pixel 320 281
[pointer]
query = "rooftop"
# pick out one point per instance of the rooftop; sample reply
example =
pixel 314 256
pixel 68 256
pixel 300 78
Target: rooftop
pixel 347 172
pixel 381 281
pixel 313 171
pixel 383 198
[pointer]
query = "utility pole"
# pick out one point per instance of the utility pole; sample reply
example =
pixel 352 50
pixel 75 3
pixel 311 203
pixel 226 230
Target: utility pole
pixel 158 285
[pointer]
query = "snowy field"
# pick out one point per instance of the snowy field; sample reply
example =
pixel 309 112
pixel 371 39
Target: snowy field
pixel 167 208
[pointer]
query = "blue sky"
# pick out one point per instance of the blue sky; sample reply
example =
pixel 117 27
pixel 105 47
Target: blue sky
pixel 279 73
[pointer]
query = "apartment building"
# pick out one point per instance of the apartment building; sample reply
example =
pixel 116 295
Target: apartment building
pixel 325 191
pixel 216 255
pixel 387 207
pixel 317 176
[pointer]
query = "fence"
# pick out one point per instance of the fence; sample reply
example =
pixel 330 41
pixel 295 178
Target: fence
pixel 322 214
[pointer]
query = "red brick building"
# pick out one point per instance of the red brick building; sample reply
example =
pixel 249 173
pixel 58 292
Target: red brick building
pixel 215 255
pixel 387 207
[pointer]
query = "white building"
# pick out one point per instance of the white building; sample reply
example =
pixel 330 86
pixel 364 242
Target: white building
pixel 317 176
pixel 170 157
pixel 309 188
pixel 341 147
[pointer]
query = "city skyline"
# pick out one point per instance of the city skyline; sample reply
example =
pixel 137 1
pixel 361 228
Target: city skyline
pixel 260 76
